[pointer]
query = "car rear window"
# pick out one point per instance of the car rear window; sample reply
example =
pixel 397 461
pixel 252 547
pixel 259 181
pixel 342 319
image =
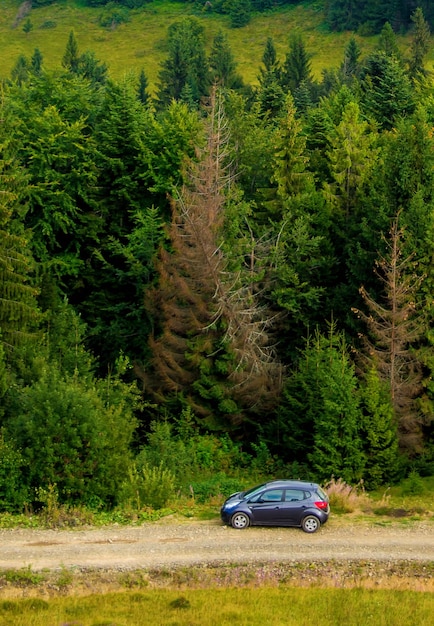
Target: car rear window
pixel 322 494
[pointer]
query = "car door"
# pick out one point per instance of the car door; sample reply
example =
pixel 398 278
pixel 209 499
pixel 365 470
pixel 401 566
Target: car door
pixel 266 508
pixel 293 506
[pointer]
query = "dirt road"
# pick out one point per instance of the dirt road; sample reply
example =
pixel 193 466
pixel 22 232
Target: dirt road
pixel 172 543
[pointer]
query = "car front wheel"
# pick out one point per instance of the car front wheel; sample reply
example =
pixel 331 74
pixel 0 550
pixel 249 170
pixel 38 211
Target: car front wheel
pixel 310 524
pixel 240 520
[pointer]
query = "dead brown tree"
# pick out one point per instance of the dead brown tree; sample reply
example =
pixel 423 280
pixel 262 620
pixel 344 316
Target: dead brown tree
pixel 212 342
pixel 395 326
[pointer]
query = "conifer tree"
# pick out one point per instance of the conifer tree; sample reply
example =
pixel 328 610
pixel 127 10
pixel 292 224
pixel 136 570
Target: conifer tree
pixel 222 63
pixel 379 432
pixel 240 12
pixel 290 160
pixel 71 57
pixel 419 44
pixel 186 65
pixel 18 307
pixel 142 91
pixel 270 93
pixel 296 67
pixel 386 90
pixel 351 158
pixel 20 71
pixel 36 61
pixel 387 42
pixel 394 328
pixel 350 65
pixel 213 345
pixel 320 418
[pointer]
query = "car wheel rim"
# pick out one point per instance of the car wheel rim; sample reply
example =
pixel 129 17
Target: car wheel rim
pixel 240 521
pixel 311 525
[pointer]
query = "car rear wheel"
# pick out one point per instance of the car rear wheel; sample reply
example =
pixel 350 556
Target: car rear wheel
pixel 240 520
pixel 310 524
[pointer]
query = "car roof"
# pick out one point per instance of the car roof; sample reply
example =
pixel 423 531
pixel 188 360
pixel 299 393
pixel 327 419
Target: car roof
pixel 285 483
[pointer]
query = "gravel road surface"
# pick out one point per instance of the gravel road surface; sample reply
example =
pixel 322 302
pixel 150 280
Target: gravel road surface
pixel 170 543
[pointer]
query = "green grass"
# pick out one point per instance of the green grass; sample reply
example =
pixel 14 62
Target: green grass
pixel 277 606
pixel 140 42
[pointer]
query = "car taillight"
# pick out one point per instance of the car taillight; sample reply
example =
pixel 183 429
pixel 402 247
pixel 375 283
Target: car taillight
pixel 322 505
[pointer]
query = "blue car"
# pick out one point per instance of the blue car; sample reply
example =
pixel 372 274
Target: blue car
pixel 278 503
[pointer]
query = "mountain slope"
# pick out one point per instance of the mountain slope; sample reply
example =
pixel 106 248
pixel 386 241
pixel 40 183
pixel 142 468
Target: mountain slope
pixel 140 43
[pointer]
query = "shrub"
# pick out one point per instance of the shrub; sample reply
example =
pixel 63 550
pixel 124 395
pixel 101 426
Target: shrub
pixel 156 487
pixel 113 15
pixel 413 485
pixel 345 498
pixel 48 24
pixel 74 435
pixel 55 515
pixel 219 485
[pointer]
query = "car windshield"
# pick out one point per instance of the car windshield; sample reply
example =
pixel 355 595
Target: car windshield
pixel 252 492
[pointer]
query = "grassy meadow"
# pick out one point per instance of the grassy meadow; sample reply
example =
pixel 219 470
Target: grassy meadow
pixel 219 607
pixel 140 43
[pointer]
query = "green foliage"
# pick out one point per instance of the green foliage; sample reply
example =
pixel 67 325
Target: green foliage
pixel 71 435
pixel 379 432
pixel 151 486
pixel 28 26
pixel 70 58
pixel 239 12
pixel 222 63
pixel 320 417
pixel 219 485
pixel 185 74
pixel 413 485
pixel 386 90
pixel 369 16
pixel 86 169
pixel 419 45
pixel 296 68
pixel 56 515
pixel 13 492
pixel 112 15
pixel 18 305
pixel 24 577
pixel 187 454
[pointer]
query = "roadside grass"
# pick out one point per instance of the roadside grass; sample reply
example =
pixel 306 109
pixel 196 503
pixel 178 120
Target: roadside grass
pixel 409 501
pixel 284 606
pixel 140 43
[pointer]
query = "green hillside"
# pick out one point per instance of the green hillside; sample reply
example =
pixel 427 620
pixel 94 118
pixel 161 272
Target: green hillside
pixel 140 42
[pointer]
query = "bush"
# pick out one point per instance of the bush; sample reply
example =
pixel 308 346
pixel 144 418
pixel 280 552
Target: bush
pixel 345 498
pixel 156 486
pixel 55 515
pixel 73 435
pixel 187 455
pixel 113 15
pixel 48 24
pixel 219 485
pixel 413 485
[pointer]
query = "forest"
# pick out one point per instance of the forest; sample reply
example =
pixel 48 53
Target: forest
pixel 216 277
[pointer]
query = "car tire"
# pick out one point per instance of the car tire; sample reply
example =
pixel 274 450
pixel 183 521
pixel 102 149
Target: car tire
pixel 310 524
pixel 240 521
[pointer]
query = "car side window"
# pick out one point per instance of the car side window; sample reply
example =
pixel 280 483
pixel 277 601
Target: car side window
pixel 294 495
pixel 273 495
